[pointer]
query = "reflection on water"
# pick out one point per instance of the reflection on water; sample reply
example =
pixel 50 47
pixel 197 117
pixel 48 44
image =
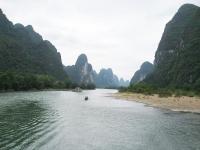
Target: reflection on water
pixel 63 120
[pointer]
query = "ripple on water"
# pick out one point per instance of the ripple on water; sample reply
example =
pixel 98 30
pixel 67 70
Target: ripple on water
pixel 25 122
pixel 62 120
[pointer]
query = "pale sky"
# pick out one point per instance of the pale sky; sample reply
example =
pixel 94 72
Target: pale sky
pixel 117 34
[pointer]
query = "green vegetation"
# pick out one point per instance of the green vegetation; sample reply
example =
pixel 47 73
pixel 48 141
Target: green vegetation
pixel 26 81
pixel 140 88
pixel 177 62
pixel 24 50
pixel 148 89
pixel 28 62
pixel 15 81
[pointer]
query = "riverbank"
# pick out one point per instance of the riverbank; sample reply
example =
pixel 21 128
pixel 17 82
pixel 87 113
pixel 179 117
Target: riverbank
pixel 39 90
pixel 183 103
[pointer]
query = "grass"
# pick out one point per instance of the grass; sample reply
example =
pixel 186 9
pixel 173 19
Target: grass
pixel 147 89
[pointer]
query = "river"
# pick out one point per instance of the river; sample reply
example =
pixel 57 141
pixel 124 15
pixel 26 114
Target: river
pixel 62 120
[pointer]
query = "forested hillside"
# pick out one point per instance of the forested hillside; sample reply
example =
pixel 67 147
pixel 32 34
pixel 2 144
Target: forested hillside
pixel 177 59
pixel 24 50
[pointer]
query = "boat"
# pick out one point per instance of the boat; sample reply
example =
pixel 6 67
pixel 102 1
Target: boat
pixel 86 98
pixel 77 89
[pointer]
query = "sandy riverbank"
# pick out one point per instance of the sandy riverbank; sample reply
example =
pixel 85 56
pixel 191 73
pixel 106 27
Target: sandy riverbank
pixel 186 104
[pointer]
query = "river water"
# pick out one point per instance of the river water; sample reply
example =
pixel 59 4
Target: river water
pixel 62 120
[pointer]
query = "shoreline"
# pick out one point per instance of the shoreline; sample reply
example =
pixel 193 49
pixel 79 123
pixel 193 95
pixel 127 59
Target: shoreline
pixel 33 90
pixel 36 90
pixel 179 104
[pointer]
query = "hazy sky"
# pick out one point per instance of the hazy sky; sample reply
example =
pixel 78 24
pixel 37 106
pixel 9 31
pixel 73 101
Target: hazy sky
pixel 120 34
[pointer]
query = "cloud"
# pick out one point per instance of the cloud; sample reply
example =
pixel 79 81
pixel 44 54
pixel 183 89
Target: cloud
pixel 120 34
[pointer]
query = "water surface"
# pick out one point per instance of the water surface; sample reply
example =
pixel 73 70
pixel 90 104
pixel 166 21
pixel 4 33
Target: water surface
pixel 57 120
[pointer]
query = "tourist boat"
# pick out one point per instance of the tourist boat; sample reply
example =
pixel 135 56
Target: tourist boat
pixel 77 89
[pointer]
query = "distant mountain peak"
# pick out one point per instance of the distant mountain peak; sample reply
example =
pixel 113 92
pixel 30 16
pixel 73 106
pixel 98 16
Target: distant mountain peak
pixel 29 27
pixel 178 50
pixel 82 72
pixel 1 12
pixel 19 25
pixel 107 79
pixel 109 69
pixel 187 6
pixel 145 69
pixel 146 64
pixel 82 59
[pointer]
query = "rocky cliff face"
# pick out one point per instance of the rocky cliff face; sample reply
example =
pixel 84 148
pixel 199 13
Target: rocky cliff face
pixel 24 50
pixel 106 79
pixel 177 60
pixel 81 72
pixel 145 69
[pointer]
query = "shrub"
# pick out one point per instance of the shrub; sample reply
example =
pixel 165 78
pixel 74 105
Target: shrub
pixel 26 81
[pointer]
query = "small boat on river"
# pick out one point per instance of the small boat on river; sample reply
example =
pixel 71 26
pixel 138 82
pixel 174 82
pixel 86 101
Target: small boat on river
pixel 86 98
